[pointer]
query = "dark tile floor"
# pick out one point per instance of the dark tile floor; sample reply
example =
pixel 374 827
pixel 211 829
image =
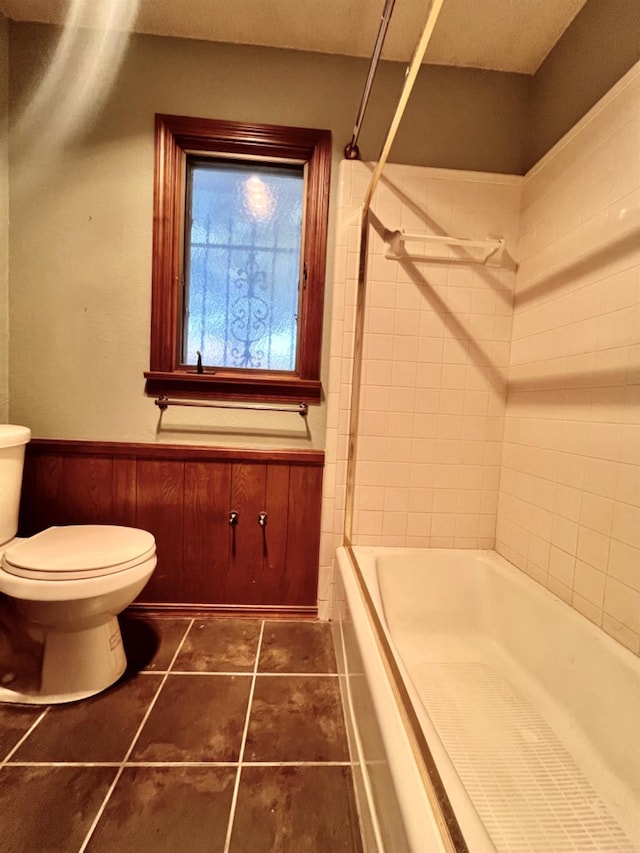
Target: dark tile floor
pixel 224 735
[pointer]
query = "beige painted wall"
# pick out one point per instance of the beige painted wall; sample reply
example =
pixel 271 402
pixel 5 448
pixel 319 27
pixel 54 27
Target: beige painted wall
pixel 4 222
pixel 80 253
pixel 602 44
pixel 80 241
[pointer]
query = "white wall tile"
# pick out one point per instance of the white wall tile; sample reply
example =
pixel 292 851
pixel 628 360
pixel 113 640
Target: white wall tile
pixel 574 357
pixel 450 454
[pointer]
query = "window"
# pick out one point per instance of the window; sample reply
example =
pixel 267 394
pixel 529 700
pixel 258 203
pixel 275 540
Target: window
pixel 239 244
pixel 242 265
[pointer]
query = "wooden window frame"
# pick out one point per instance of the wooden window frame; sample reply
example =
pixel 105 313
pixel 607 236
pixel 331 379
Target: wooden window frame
pixel 177 137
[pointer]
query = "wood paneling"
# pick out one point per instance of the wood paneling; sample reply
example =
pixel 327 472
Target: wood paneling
pixel 123 491
pixel 246 554
pixel 159 509
pixel 87 489
pixel 275 533
pixel 49 498
pixel 258 553
pixel 207 497
pixel 183 496
pixel 303 532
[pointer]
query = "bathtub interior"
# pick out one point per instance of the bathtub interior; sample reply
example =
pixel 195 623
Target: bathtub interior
pixel 546 755
pixel 475 603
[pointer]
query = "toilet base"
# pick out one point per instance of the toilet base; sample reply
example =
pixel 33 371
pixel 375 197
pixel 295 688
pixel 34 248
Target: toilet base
pixel 75 665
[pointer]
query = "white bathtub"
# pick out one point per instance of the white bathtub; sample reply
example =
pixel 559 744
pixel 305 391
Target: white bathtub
pixel 529 712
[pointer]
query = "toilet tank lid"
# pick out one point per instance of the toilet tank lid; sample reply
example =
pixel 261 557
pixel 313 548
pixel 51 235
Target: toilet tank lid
pixel 81 547
pixel 12 435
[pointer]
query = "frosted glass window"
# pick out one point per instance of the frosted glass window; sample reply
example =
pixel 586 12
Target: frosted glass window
pixel 242 264
pixel 238 262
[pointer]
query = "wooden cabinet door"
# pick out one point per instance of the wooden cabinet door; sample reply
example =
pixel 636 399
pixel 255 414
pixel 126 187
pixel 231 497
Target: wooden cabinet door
pixel 274 563
pixel 246 544
pixel 257 551
pixel 207 498
pixel 258 554
pixel 278 509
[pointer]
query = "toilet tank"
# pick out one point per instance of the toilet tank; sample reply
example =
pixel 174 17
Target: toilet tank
pixel 12 443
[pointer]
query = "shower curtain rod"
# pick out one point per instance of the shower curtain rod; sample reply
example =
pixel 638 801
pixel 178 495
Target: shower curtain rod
pixel 410 78
pixel 356 371
pixel 351 151
pixel 452 842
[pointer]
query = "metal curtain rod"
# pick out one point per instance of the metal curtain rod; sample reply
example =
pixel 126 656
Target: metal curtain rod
pixel 301 409
pixel 410 79
pixel 351 151
pixel 356 371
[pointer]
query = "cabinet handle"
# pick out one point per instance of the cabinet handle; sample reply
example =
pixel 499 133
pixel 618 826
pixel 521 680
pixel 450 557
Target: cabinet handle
pixel 234 518
pixel 262 519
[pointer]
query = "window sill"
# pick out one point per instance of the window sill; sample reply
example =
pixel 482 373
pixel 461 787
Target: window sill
pixel 272 387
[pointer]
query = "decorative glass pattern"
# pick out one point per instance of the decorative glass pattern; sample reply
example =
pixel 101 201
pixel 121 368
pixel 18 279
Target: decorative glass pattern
pixel 242 265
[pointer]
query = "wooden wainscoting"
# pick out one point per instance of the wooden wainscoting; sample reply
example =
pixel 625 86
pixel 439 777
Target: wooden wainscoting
pixel 184 496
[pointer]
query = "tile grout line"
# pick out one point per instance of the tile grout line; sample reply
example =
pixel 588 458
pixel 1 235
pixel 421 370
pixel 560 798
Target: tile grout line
pixel 236 787
pixel 33 726
pixel 184 763
pixel 246 673
pixel 123 763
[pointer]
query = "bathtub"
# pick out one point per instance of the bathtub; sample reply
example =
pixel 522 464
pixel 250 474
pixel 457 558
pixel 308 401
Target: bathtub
pixel 483 712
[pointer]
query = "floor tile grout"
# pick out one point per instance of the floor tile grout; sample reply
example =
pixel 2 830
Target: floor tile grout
pixel 127 764
pixel 240 809
pixel 33 726
pixel 119 772
pixel 65 764
pixel 236 787
pixel 248 674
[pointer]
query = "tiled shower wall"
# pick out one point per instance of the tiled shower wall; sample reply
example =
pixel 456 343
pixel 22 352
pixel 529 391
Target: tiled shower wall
pixel 436 353
pixel 569 509
pixel 431 456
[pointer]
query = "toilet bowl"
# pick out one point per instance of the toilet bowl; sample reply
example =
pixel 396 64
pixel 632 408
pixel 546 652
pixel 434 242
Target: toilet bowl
pixel 60 595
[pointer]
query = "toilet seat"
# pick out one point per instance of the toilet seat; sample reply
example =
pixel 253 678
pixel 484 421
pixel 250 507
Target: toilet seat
pixel 78 552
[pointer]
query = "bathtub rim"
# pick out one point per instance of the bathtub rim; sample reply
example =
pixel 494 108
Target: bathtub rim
pixel 371 559
pixel 444 815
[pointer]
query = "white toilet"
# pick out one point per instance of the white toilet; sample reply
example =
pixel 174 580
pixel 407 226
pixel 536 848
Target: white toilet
pixel 60 594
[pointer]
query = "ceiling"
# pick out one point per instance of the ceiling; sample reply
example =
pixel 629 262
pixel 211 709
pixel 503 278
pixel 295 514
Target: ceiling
pixel 501 35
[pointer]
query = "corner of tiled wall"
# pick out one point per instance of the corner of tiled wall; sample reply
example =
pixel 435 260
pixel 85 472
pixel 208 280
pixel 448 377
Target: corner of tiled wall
pixel 498 412
pixel 436 351
pixel 569 509
pixel 339 384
